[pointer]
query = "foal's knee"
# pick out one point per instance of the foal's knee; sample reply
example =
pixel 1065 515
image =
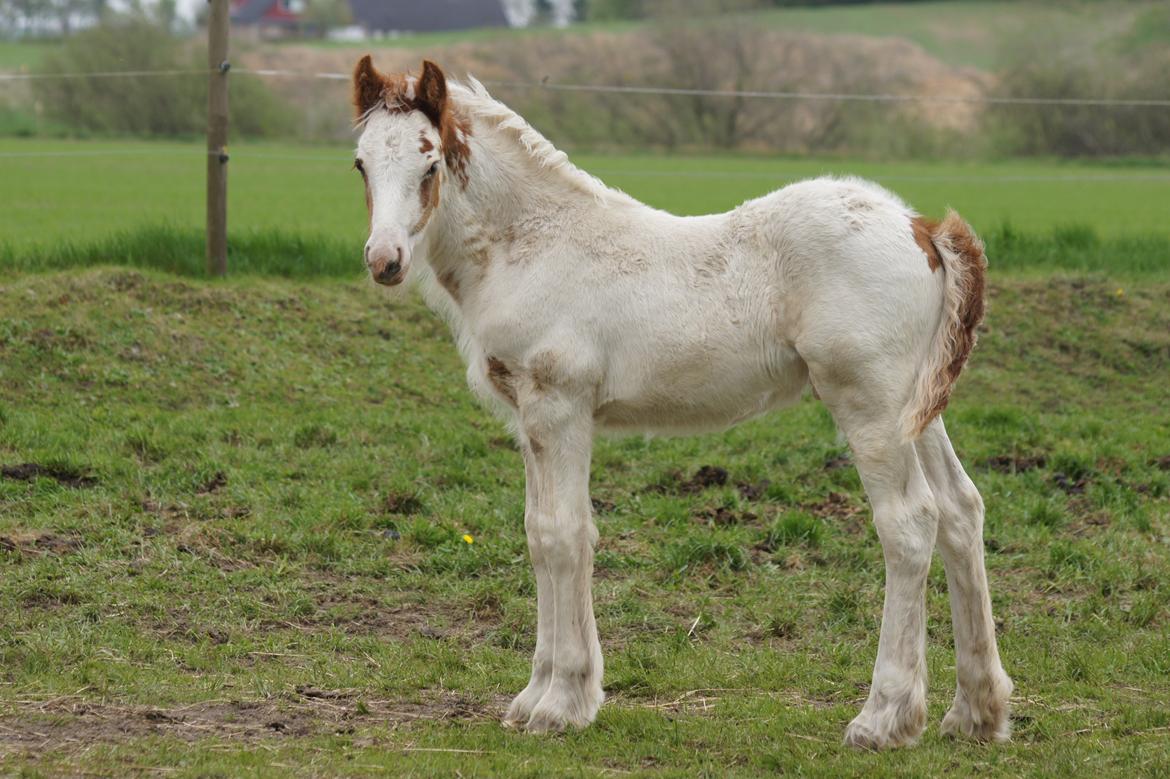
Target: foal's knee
pixel 560 541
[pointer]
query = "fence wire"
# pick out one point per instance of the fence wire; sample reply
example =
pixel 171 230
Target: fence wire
pixel 1102 102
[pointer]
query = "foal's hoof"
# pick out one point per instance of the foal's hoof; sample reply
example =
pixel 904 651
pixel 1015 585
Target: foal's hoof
pixel 563 707
pixel 887 728
pixel 988 721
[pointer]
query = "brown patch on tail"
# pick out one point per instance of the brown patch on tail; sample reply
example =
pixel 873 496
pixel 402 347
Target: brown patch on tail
pixel 924 230
pixel 960 254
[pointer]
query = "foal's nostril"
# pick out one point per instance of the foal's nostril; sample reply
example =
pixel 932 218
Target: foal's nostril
pixel 391 270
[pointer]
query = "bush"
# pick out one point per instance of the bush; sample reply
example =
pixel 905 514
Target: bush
pixel 149 106
pixel 1085 130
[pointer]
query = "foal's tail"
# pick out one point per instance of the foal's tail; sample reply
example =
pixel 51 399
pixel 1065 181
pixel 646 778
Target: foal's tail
pixel 964 267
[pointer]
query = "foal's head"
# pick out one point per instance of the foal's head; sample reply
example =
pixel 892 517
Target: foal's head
pixel 411 145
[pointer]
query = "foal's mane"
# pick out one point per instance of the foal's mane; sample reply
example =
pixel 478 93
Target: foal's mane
pixel 477 103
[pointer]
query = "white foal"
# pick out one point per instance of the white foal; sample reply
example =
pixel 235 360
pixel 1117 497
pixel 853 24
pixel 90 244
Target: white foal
pixel 580 310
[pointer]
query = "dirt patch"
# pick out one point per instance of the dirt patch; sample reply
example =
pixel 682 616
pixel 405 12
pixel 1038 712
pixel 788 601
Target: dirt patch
pixel 402 503
pixel 214 484
pixel 39 543
pixel 837 462
pixel 706 476
pixel 836 505
pixel 1069 484
pixel 72 724
pixel 415 615
pixel 723 516
pixel 62 474
pixel 1163 463
pixel 601 506
pixel 753 492
pixel 1009 463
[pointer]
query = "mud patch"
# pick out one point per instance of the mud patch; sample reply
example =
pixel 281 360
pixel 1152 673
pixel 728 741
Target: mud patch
pixel 62 474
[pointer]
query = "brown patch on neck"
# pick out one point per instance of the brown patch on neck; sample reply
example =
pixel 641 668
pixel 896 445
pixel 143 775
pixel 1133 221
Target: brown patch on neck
pixel 450 282
pixel 501 378
pixel 924 231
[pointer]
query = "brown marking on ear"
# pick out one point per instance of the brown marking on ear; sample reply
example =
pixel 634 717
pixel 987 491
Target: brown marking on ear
pixel 431 93
pixel 369 86
pixel 450 282
pixel 431 99
pixel 501 378
pixel 428 195
pixel 924 231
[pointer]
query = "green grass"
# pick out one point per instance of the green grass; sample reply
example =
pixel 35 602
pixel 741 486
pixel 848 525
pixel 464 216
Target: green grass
pixel 142 203
pixel 24 55
pixel 242 552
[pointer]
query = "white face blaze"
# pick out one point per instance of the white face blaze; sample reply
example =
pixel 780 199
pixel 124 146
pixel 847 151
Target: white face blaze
pixel 400 158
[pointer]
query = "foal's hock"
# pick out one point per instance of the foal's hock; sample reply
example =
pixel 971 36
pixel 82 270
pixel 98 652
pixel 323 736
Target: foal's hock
pixel 579 310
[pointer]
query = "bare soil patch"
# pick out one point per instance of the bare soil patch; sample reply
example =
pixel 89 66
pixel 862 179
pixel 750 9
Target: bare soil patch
pixel 61 474
pixel 72 724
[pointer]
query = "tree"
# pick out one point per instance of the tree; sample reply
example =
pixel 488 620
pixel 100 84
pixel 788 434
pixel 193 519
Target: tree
pixel 325 15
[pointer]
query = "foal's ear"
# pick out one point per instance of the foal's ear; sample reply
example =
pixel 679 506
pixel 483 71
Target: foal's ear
pixel 369 86
pixel 432 92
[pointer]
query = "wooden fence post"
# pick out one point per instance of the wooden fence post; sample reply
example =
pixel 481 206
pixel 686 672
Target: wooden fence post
pixel 217 135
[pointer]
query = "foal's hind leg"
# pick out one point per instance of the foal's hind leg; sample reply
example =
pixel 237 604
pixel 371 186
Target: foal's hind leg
pixel 980 710
pixel 906 519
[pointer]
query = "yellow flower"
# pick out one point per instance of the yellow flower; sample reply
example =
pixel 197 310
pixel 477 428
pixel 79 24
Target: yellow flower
pixel 468 539
pixel 1120 292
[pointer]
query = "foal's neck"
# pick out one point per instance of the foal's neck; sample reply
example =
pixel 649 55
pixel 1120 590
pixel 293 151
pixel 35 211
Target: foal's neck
pixel 511 192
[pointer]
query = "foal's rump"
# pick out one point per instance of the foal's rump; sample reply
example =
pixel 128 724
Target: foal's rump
pixel 881 302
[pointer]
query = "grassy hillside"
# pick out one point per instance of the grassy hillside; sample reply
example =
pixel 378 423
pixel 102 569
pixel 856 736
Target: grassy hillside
pixel 231 521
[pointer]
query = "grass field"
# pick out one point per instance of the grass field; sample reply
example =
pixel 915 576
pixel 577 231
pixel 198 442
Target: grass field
pixel 231 520
pixel 232 513
pixel 76 200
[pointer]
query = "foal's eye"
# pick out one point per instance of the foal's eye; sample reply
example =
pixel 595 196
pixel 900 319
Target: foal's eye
pixel 357 165
pixel 431 171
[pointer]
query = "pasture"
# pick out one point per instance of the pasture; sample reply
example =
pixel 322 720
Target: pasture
pixel 234 516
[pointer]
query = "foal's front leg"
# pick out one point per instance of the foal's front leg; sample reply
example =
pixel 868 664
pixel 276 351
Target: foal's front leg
pixel 542 658
pixel 566 674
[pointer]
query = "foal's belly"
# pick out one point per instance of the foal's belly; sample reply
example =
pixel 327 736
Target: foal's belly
pixel 673 398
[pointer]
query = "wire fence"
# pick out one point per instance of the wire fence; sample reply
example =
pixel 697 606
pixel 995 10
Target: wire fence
pixel 1101 102
pixel 625 172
